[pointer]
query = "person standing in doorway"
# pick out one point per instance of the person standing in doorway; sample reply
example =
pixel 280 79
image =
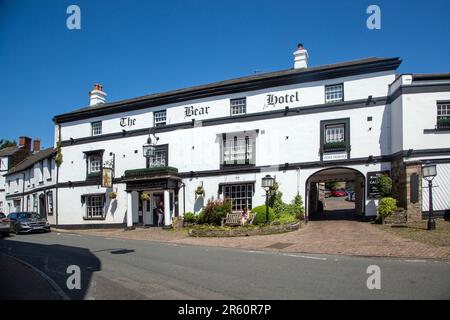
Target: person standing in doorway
pixel 160 211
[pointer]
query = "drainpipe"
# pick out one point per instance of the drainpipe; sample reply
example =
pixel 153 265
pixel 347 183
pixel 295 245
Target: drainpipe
pixel 23 191
pixel 184 197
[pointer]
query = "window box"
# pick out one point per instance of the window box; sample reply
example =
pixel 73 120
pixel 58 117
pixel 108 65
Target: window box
pixel 335 146
pixel 93 176
pixel 443 124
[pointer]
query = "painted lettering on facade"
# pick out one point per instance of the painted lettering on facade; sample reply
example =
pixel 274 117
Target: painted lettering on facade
pixel 127 122
pixel 272 100
pixel 195 111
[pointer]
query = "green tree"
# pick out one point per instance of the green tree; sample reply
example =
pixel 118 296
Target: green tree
pixel 6 143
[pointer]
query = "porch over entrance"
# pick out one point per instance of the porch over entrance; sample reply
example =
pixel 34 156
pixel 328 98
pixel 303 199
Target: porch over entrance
pixel 162 181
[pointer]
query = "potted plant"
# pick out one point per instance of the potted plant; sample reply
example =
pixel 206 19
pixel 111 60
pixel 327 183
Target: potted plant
pixel 145 196
pixel 199 191
pixel 112 195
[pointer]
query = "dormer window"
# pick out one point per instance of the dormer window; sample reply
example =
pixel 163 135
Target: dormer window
pixel 334 93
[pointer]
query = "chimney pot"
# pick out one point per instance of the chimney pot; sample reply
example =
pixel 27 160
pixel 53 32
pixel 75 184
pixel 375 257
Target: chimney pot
pixel 36 145
pixel 25 142
pixel 301 57
pixel 97 95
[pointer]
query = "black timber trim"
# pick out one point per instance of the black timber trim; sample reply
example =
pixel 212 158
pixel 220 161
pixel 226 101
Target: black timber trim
pixel 324 124
pixel 29 192
pixel 280 167
pixel 265 115
pixel 418 88
pixel 277 79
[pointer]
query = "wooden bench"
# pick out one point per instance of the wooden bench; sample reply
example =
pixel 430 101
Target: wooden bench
pixel 232 219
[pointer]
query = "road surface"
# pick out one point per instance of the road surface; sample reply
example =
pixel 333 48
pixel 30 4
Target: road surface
pixel 132 269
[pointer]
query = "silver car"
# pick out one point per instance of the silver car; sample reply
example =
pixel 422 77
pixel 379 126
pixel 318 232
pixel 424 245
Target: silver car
pixel 5 227
pixel 28 222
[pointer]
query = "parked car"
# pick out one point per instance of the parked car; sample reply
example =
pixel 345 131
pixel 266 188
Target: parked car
pixel 327 193
pixel 338 193
pixel 28 222
pixel 5 227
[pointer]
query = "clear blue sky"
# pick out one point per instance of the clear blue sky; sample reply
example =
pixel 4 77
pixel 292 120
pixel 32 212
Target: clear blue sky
pixel 137 47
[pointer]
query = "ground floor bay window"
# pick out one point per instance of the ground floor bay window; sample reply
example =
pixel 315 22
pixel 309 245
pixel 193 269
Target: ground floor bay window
pixel 241 195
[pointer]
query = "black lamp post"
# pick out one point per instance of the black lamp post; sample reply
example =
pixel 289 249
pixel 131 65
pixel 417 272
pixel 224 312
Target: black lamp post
pixel 428 173
pixel 149 149
pixel 267 184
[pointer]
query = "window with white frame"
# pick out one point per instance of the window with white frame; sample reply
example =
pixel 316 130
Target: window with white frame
pixel 160 159
pixel 50 202
pixel 238 106
pixel 443 115
pixel 335 133
pixel 96 128
pixel 94 163
pixel 241 195
pixel 17 185
pixel 238 149
pixel 334 93
pixel 94 206
pixel 160 118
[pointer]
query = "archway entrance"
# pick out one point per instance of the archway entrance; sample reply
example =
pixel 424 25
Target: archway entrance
pixel 335 194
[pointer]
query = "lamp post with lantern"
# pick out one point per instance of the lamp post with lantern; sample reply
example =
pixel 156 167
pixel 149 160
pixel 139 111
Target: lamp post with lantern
pixel 149 148
pixel 428 173
pixel 267 184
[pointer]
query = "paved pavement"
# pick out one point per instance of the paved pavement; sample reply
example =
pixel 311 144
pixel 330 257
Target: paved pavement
pixel 19 281
pixel 322 237
pixel 113 268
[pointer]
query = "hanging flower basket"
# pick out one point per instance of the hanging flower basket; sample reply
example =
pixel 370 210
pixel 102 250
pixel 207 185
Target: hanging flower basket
pixel 112 195
pixel 200 191
pixel 145 196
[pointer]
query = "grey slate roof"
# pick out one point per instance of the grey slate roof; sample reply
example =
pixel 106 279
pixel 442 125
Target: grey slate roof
pixel 218 87
pixel 9 151
pixel 31 160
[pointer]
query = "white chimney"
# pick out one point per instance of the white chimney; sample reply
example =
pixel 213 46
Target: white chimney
pixel 301 58
pixel 97 95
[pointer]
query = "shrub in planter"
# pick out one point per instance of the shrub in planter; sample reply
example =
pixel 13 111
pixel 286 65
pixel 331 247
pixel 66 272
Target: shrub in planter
pixel 261 214
pixel 190 217
pixel 286 218
pixel 112 195
pixel 386 207
pixel 215 210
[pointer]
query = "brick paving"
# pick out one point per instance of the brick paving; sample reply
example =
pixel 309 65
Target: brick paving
pixel 321 237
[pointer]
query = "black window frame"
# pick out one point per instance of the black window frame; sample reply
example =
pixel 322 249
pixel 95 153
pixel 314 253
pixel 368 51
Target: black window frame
pixel 249 162
pixel 335 122
pixel 84 200
pixel 222 191
pixel 159 148
pixel 231 106
pixel 333 85
pixel 92 128
pixel 442 126
pixel 88 154
pixel 156 125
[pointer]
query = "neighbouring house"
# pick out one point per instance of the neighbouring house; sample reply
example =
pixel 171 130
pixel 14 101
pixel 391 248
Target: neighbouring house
pixel 348 121
pixel 9 157
pixel 31 183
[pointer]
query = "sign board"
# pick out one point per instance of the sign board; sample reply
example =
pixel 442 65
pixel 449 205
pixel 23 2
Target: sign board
pixel 372 190
pixel 107 178
pixel 330 156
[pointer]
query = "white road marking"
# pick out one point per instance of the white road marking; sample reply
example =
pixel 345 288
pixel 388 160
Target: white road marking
pixel 416 260
pixel 305 257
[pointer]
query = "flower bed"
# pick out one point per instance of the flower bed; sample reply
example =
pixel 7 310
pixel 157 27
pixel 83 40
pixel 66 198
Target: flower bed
pixel 244 231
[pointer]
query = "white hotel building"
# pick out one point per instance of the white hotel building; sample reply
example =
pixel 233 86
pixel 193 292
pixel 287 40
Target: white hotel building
pixel 306 125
